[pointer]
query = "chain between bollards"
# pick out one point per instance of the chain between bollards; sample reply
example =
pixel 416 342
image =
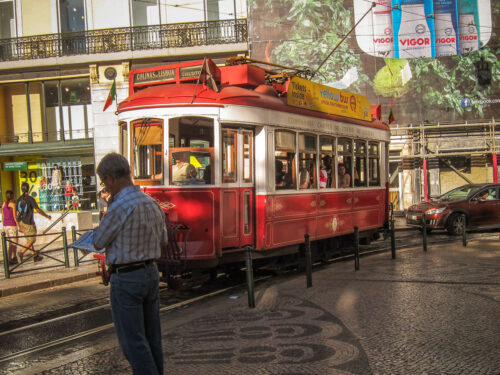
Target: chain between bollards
pixel 251 299
pixel 464 231
pixel 424 232
pixel 5 257
pixel 308 260
pixel 356 248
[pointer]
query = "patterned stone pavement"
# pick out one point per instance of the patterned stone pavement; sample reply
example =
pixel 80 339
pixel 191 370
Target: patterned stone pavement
pixel 422 313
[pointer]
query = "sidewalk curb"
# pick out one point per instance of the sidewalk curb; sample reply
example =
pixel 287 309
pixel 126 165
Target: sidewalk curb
pixel 46 284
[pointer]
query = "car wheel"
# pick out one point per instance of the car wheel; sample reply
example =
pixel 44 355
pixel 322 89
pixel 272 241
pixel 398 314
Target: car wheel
pixel 455 224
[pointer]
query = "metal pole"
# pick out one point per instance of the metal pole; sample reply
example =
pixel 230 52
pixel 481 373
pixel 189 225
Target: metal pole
pixel 464 231
pixel 5 257
pixel 393 233
pixel 65 247
pixel 308 261
pixel 356 249
pixel 75 251
pixel 251 299
pixel 424 232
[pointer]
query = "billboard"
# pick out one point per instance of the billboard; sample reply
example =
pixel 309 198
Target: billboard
pixel 433 61
pixel 422 28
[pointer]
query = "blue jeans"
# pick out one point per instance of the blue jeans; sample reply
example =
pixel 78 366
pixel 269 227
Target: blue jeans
pixel 135 306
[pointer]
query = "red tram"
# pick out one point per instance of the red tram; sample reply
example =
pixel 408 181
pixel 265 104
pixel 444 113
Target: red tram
pixel 233 165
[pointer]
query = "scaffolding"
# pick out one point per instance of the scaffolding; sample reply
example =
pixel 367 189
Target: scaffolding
pixel 420 152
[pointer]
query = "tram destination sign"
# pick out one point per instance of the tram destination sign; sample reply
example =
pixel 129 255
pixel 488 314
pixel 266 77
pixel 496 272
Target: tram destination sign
pixel 314 96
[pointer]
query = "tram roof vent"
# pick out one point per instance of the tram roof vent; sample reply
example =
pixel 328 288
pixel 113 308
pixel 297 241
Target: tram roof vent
pixel 245 75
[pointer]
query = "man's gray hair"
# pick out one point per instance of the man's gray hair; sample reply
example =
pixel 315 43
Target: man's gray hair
pixel 114 165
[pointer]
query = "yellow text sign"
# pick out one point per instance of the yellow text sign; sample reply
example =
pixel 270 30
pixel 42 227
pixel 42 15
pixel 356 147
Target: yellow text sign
pixel 310 95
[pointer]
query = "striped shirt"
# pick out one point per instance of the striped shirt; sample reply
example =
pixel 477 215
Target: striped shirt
pixel 132 229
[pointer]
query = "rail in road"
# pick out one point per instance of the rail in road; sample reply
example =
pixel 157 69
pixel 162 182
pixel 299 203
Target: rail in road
pixel 25 341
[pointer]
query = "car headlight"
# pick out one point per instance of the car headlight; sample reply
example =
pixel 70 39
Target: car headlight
pixel 435 211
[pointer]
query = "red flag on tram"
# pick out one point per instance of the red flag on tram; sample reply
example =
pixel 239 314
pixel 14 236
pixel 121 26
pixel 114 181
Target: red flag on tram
pixel 390 118
pixel 111 96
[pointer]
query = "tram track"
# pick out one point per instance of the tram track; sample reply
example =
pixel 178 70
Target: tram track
pixel 402 243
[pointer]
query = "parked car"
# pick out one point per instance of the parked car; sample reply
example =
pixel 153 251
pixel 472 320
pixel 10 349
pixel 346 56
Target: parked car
pixel 478 204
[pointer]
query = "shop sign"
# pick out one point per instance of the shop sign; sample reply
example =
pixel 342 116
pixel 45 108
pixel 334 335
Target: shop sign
pixel 310 95
pixel 15 166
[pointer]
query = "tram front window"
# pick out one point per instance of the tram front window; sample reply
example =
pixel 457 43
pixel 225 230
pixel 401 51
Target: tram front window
pixel 191 150
pixel 147 141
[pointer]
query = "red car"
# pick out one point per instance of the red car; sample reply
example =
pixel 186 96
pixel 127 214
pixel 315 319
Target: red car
pixel 479 204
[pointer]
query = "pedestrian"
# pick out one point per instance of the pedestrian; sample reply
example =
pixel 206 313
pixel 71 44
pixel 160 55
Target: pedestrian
pixel 102 202
pixel 26 206
pixel 9 220
pixel 132 231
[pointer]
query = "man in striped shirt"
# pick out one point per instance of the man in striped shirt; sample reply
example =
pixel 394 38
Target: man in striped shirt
pixel 132 231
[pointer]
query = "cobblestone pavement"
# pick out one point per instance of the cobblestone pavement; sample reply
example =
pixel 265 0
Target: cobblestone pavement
pixel 422 313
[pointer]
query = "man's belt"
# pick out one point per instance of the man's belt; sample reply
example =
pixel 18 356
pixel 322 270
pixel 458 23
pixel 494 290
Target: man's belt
pixel 129 267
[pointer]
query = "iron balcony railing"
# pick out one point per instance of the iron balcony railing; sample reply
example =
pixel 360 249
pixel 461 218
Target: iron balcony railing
pixel 121 39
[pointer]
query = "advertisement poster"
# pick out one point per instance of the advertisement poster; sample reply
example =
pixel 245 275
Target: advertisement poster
pixel 426 60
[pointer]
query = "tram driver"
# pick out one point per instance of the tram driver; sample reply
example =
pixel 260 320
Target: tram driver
pixel 182 170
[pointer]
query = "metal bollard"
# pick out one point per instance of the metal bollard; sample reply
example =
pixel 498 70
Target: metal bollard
pixel 356 248
pixel 308 260
pixel 5 257
pixel 65 247
pixel 251 299
pixel 75 251
pixel 424 232
pixel 464 231
pixel 393 240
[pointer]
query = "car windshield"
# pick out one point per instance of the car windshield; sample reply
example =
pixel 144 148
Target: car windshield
pixel 459 193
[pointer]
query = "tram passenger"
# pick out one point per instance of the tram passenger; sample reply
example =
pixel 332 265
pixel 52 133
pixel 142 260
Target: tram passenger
pixel 280 175
pixel 182 170
pixel 325 173
pixel 132 231
pixel 344 177
pixel 304 176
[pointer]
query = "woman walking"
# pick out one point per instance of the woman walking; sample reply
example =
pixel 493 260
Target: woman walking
pixel 9 220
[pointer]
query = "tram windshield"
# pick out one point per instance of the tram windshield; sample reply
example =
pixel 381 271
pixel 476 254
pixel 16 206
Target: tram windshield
pixel 191 141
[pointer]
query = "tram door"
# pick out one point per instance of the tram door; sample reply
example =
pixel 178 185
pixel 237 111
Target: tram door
pixel 237 188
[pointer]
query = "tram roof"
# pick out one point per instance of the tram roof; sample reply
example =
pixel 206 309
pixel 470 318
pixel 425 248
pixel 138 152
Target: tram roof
pixel 263 96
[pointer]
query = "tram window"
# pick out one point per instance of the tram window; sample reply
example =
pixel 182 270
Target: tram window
pixel 307 161
pixel 284 157
pixel 247 156
pixel 374 164
pixel 123 139
pixel 359 172
pixel 229 161
pixel 192 153
pixel 344 147
pixel 327 166
pixel 147 143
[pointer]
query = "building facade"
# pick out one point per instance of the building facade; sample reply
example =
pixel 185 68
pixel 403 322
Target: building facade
pixel 58 61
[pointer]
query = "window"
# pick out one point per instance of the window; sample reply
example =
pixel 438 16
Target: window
pixel 147 143
pixel 247 156
pixel 229 159
pixel 72 15
pixel 374 164
pixel 123 139
pixel 344 148
pixel 7 25
pixel 307 161
pixel 327 166
pixel 359 172
pixel 284 158
pixel 192 154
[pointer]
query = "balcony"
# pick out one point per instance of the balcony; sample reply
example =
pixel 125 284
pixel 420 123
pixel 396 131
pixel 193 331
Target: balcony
pixel 47 143
pixel 124 39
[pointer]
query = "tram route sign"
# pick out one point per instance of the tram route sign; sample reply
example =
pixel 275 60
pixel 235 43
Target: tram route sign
pixel 314 96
